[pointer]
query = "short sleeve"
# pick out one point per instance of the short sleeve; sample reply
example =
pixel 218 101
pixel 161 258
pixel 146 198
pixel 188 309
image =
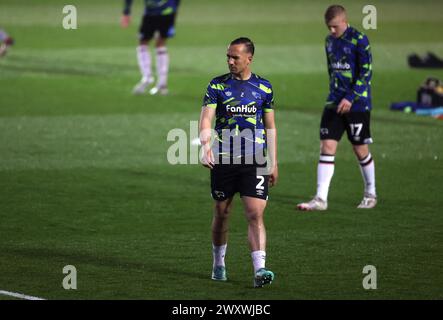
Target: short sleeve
pixel 210 98
pixel 268 105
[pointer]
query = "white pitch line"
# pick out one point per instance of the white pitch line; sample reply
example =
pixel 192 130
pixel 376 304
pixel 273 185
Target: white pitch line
pixel 19 295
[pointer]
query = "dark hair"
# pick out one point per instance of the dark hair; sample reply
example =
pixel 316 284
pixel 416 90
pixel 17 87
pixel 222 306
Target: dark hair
pixel 334 11
pixel 247 42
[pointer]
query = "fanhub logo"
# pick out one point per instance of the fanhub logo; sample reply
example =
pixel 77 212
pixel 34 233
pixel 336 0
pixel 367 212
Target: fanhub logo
pixel 341 66
pixel 241 109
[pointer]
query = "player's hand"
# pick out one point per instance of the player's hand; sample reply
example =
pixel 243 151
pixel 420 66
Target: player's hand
pixel 125 21
pixel 207 158
pixel 273 177
pixel 344 106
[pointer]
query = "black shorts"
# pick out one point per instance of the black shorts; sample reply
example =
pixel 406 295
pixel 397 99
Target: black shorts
pixel 356 124
pixel 247 179
pixel 163 24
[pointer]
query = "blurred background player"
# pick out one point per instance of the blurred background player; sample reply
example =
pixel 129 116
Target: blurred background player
pixel 242 103
pixel 159 17
pixel 347 108
pixel 5 42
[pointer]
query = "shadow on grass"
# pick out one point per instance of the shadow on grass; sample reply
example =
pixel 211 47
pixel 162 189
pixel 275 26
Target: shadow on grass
pixel 50 70
pixel 63 67
pixel 99 260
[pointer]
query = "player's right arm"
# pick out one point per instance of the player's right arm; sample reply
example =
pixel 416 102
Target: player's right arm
pixel 126 17
pixel 328 61
pixel 206 117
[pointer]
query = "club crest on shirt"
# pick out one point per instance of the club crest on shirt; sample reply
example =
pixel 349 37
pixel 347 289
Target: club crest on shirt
pixel 228 93
pixel 256 95
pixel 347 50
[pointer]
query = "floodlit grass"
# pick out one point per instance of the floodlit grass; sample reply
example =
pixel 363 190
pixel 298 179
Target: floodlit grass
pixel 84 177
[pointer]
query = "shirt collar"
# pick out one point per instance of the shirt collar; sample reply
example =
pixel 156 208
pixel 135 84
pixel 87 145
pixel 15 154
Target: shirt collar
pixel 348 29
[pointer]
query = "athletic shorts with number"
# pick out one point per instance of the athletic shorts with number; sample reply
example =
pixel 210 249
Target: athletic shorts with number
pixel 356 124
pixel 163 24
pixel 228 179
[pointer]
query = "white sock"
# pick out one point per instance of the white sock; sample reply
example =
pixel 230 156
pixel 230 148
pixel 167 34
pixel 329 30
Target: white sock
pixel 258 259
pixel 325 171
pixel 162 66
pixel 144 61
pixel 367 168
pixel 218 253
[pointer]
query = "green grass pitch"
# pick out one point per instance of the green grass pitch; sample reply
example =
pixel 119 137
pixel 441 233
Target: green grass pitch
pixel 84 179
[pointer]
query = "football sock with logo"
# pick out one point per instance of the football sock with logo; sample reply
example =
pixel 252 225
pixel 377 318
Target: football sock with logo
pixel 367 168
pixel 325 171
pixel 218 253
pixel 144 61
pixel 162 67
pixel 258 259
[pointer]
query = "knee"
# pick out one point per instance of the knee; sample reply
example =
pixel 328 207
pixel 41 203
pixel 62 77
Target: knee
pixel 161 42
pixel 222 210
pixel 361 151
pixel 255 216
pixel 328 147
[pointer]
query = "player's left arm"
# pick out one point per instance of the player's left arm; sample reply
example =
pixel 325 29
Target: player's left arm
pixel 271 134
pixel 362 82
